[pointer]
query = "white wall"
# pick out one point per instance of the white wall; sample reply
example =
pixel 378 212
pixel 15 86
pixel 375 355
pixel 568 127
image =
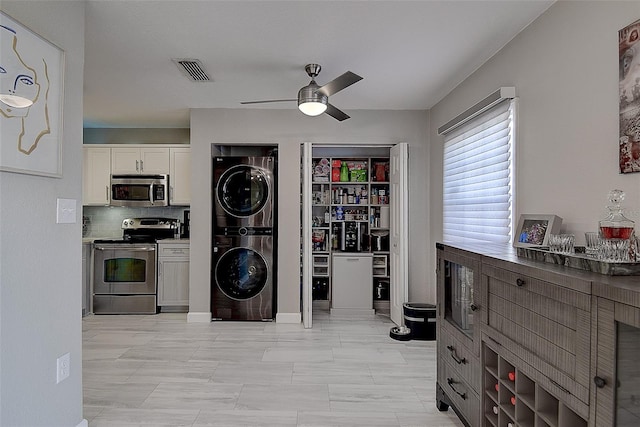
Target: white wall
pixel 289 128
pixel 565 70
pixel 40 263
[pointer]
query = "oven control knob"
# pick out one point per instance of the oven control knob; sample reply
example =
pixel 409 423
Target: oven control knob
pixel 243 231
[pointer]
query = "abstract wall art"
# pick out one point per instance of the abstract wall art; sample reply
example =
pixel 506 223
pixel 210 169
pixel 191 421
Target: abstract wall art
pixel 629 88
pixel 31 68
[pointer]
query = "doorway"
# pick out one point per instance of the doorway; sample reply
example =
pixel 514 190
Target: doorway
pixel 352 188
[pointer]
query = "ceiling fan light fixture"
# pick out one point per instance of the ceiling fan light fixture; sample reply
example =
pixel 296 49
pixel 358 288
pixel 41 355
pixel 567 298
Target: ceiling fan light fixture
pixel 312 108
pixel 311 102
pixel 15 101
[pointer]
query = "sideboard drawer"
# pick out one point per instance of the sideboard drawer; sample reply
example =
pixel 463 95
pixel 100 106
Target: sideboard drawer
pixel 461 394
pixel 460 358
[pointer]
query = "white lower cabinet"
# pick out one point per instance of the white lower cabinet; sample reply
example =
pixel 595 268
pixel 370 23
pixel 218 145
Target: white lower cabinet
pixel 351 282
pixel 173 273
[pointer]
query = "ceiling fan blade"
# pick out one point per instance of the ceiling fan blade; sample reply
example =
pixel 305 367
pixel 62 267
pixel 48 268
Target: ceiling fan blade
pixel 339 83
pixel 267 101
pixel 335 113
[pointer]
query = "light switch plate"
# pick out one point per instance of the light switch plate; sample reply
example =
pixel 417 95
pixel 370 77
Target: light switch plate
pixel 66 211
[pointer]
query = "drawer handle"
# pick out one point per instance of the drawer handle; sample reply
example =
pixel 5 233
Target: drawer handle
pixel 454 355
pixel 493 341
pixel 599 381
pixel 520 282
pixel 451 382
pixel 474 307
pixel 560 387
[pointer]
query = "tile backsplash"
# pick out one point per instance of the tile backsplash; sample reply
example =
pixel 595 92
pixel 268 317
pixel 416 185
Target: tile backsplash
pixel 106 221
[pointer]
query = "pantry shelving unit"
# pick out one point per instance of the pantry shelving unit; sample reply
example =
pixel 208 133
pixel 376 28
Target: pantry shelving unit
pixel 362 196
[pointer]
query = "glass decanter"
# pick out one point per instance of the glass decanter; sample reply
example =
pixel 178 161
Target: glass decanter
pixel 616 225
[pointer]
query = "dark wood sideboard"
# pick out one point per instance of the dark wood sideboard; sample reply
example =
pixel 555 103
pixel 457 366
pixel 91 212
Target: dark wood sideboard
pixel 527 343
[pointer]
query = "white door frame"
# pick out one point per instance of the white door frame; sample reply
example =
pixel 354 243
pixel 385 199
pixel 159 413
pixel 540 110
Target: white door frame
pixel 398 234
pixel 307 292
pixel 399 237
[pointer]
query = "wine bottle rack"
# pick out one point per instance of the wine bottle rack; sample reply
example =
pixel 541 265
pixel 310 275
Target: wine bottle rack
pixel 513 399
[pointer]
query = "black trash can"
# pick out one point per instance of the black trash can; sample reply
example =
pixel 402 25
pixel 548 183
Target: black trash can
pixel 421 319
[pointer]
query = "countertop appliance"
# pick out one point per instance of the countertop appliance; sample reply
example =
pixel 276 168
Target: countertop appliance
pixel 379 240
pixel 124 278
pixel 350 235
pixel 186 223
pixel 140 190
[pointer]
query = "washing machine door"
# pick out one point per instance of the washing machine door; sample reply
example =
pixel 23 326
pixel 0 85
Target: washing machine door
pixel 243 191
pixel 241 273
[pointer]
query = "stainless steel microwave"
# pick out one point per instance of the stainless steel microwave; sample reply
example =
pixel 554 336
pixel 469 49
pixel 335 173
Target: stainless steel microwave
pixel 140 190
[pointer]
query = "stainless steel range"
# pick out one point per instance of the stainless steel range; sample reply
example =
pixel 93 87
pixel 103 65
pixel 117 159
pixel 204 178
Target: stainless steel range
pixel 124 275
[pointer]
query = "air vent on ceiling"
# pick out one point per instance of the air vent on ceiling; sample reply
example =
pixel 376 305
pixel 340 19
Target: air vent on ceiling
pixel 193 69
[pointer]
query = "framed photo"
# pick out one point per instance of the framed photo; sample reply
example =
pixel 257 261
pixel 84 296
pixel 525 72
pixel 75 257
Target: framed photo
pixel 32 70
pixel 534 230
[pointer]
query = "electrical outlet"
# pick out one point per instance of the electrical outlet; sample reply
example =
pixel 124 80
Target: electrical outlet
pixel 64 366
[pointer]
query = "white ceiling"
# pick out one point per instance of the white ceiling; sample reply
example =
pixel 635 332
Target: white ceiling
pixel 410 53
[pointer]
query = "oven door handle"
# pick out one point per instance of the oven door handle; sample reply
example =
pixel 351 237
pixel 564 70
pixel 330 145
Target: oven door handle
pixel 125 247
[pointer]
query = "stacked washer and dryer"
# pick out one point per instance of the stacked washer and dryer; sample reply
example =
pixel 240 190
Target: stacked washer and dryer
pixel 242 280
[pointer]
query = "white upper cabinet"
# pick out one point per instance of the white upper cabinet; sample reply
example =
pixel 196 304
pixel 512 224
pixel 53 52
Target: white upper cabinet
pixel 180 176
pixel 96 175
pixel 135 160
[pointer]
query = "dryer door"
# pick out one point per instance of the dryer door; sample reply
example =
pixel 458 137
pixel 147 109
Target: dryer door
pixel 243 191
pixel 241 273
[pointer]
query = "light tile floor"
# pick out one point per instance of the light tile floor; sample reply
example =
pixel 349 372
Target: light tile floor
pixel 162 371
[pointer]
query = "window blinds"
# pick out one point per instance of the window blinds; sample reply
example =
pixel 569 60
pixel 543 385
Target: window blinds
pixel 478 178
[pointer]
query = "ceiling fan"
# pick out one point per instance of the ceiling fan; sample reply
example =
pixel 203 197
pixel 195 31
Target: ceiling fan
pixel 313 100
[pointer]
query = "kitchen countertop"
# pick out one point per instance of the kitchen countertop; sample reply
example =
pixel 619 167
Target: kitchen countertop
pixel 180 240
pixel 91 239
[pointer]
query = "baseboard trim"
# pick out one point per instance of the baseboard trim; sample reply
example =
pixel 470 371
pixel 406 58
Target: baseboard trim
pixel 352 311
pixel 288 318
pixel 198 317
pixel 83 423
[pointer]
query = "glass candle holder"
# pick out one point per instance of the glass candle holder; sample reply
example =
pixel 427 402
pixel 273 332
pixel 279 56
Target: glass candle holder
pixel 592 243
pixel 615 250
pixel 561 243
